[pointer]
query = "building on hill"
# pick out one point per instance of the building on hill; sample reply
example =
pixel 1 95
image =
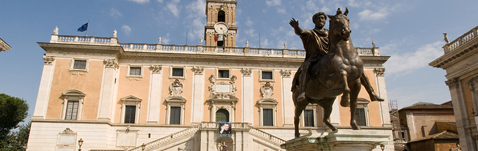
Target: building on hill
pixel 427 124
pixel 125 96
pixel 461 65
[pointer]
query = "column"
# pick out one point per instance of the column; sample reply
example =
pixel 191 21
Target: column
pixel 107 90
pixel 466 141
pixel 154 101
pixel 288 106
pixel 238 140
pixel 204 142
pixel 197 114
pixel 382 92
pixel 247 96
pixel 45 87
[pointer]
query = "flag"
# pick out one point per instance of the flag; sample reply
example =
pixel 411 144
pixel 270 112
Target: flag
pixel 219 38
pixel 83 28
pixel 216 37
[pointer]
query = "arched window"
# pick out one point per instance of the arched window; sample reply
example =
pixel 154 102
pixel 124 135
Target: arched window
pixel 221 16
pixel 222 115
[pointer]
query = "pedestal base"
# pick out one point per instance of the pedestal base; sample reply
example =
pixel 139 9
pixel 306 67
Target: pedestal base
pixel 341 140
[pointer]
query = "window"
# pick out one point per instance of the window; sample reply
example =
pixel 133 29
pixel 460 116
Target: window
pixel 221 16
pixel 175 115
pixel 79 64
pixel 223 73
pixel 72 104
pixel 177 72
pixel 267 75
pixel 130 114
pixel 309 118
pixel 268 120
pixel 361 114
pixel 222 115
pixel 135 71
pixel 130 109
pixel 71 110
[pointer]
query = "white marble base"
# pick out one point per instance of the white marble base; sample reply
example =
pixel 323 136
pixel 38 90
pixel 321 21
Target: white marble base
pixel 341 140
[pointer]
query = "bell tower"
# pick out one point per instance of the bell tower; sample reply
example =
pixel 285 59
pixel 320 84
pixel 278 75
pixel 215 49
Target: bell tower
pixel 220 29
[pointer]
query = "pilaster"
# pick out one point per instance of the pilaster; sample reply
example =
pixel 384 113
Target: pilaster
pixel 197 113
pixel 107 90
pixel 45 87
pixel 288 104
pixel 382 92
pixel 459 109
pixel 155 90
pixel 335 115
pixel 247 96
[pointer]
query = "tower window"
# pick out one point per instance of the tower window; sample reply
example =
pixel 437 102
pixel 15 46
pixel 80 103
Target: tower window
pixel 221 16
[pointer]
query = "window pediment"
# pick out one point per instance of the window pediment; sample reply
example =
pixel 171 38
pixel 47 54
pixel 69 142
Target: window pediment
pixel 73 93
pixel 130 98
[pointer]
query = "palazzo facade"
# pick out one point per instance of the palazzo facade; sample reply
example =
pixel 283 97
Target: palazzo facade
pixel 130 96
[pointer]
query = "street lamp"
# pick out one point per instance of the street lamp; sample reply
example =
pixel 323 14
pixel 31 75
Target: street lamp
pixel 143 146
pixel 80 142
pixel 382 146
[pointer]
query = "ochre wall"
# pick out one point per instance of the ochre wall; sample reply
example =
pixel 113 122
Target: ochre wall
pixel 87 82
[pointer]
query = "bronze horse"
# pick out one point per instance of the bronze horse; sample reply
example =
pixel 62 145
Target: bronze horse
pixel 336 73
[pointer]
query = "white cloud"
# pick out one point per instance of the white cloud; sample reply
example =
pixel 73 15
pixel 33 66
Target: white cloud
pixel 353 3
pixel 371 15
pixel 140 1
pixel 281 11
pixel 173 7
pixel 310 5
pixel 249 23
pixel 273 2
pixel 165 40
pixel 250 32
pixel 126 29
pixel 196 13
pixel 160 1
pixel 401 64
pixel 115 13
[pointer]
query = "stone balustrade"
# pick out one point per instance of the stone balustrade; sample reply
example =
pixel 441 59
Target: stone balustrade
pixel 166 139
pixel 267 136
pixel 158 48
pixel 463 39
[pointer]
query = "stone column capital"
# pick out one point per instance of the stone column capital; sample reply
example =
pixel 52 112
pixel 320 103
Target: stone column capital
pixel 452 83
pixel 48 59
pixel 379 71
pixel 110 63
pixel 285 73
pixel 198 70
pixel 155 69
pixel 246 72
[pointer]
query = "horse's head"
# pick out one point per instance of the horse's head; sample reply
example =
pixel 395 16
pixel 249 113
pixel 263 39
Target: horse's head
pixel 339 24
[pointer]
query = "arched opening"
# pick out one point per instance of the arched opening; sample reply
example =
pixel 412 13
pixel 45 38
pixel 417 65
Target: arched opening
pixel 221 16
pixel 222 115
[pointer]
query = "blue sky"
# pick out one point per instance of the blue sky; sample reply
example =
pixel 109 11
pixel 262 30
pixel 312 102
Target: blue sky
pixel 409 31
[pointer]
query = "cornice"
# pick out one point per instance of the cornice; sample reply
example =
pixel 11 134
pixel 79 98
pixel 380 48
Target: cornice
pixel 456 55
pixel 81 47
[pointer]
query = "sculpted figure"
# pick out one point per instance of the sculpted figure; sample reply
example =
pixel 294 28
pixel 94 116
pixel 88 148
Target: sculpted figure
pixel 316 45
pixel 331 67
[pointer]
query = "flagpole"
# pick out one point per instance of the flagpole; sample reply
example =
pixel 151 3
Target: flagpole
pixel 87 24
pixel 187 31
pixel 259 40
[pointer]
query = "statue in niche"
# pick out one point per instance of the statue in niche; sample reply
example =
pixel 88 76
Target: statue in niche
pixel 331 67
pixel 176 88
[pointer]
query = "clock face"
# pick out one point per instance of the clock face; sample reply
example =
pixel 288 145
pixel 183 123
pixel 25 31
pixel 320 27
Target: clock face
pixel 220 28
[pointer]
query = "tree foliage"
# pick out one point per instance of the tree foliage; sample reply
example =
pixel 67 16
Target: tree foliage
pixel 12 111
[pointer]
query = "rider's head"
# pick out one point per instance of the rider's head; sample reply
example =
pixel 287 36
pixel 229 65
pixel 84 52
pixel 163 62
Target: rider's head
pixel 319 19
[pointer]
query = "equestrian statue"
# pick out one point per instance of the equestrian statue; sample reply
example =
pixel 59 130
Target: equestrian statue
pixel 331 67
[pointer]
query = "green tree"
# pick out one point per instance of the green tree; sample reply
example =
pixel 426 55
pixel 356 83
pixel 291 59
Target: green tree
pixel 12 111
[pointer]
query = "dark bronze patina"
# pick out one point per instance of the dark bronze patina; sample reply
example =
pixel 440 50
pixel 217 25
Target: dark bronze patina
pixel 331 67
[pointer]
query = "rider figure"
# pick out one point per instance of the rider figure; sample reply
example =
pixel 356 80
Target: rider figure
pixel 316 45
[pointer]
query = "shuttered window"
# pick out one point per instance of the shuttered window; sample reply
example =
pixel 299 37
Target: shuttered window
pixel 135 71
pixel 360 117
pixel 267 75
pixel 268 120
pixel 309 118
pixel 130 114
pixel 178 72
pixel 175 116
pixel 222 115
pixel 79 64
pixel 71 110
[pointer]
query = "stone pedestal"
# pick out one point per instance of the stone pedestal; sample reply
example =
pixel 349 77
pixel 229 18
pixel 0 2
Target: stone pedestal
pixel 341 140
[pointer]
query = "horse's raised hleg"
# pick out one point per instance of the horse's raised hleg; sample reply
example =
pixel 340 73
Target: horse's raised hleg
pixel 299 107
pixel 345 96
pixel 327 106
pixel 355 89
